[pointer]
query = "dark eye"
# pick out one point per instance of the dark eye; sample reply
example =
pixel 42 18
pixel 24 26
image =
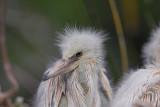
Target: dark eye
pixel 79 54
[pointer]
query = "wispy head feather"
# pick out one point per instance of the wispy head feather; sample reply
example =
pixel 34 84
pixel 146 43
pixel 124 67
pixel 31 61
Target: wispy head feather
pixel 151 50
pixel 75 39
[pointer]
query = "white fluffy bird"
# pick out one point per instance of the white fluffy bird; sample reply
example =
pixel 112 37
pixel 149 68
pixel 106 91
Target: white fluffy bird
pixel 142 87
pixel 73 81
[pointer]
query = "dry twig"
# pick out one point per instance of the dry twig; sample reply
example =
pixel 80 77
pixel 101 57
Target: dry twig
pixel 5 97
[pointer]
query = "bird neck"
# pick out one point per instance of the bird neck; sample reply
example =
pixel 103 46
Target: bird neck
pixel 83 82
pixel 79 87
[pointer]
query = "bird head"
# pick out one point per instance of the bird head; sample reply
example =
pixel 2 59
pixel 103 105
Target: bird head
pixel 76 46
pixel 151 49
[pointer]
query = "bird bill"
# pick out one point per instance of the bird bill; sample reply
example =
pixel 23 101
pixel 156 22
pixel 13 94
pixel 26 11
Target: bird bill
pixel 61 67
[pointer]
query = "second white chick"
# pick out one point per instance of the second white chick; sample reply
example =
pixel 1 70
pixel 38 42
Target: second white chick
pixel 142 87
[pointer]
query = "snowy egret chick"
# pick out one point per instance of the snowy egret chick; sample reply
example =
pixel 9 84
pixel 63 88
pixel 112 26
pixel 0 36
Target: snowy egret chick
pixel 142 86
pixel 73 81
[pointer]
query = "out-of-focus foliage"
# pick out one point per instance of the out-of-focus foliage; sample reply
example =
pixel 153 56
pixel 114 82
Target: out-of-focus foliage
pixel 31 28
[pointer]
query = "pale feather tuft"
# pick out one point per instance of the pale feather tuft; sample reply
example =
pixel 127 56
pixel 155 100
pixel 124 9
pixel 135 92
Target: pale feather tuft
pixel 73 40
pixel 151 49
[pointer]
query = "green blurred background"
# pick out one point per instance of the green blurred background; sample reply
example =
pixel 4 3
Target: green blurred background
pixel 31 27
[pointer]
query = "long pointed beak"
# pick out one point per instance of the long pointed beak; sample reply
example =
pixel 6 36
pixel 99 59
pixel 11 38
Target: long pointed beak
pixel 61 67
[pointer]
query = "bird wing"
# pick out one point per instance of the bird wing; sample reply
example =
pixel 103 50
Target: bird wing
pixel 58 89
pixel 49 92
pixel 149 92
pixel 152 95
pixel 105 84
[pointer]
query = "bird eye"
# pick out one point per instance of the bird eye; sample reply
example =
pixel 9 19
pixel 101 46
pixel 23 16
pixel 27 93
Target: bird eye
pixel 79 54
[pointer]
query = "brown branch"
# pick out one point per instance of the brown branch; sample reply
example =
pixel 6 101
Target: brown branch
pixel 118 25
pixel 5 97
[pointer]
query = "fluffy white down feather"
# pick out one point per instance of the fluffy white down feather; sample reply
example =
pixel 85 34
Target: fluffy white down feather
pixel 151 50
pixel 133 86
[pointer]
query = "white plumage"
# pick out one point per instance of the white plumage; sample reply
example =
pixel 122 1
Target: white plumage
pixel 143 85
pixel 151 50
pixel 74 80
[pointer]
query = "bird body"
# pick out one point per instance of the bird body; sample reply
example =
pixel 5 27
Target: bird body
pixel 142 86
pixel 74 80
